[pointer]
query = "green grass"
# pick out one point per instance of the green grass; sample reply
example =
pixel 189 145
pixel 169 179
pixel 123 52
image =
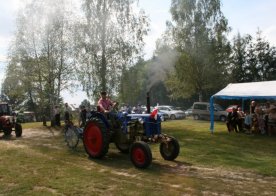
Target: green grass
pixel 40 163
pixel 221 149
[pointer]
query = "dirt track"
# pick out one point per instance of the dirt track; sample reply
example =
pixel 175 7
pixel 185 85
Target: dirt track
pixel 233 182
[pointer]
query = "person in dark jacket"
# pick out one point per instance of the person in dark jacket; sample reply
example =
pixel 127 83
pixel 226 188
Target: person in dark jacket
pixel 82 117
pixel 232 119
pixel 57 115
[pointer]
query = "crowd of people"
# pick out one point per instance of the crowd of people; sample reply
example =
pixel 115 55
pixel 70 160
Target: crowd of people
pixel 57 115
pixel 256 120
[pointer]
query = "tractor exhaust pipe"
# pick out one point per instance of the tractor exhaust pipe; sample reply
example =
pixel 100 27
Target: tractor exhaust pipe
pixel 148 102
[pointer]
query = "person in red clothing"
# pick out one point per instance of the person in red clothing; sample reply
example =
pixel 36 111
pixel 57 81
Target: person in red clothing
pixel 104 103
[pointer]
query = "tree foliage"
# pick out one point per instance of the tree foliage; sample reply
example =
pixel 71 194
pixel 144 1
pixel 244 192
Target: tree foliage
pixel 41 53
pixel 101 46
pixel 108 41
pixel 199 30
pixel 252 59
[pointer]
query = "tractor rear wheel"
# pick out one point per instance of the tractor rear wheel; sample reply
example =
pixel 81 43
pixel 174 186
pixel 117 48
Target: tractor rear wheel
pixel 169 150
pixel 71 136
pixel 18 130
pixel 140 154
pixel 123 147
pixel 95 139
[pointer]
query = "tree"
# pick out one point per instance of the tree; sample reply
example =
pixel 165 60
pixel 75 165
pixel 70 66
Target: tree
pixel 133 84
pixel 42 51
pixel 148 76
pixel 239 58
pixel 13 85
pixel 265 59
pixel 107 42
pixel 199 30
pixel 252 59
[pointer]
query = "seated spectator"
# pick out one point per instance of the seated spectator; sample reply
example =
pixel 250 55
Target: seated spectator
pixel 271 119
pixel 266 113
pixel 139 109
pixel 261 124
pixel 255 125
pixel 253 105
pixel 247 122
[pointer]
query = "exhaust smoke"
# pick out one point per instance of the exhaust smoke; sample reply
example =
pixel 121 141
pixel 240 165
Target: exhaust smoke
pixel 160 67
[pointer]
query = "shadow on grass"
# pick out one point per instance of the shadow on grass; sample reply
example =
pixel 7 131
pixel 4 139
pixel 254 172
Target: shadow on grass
pixel 114 160
pixel 118 160
pixel 8 137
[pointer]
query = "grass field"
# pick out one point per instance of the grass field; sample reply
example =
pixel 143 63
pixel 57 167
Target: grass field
pixel 40 163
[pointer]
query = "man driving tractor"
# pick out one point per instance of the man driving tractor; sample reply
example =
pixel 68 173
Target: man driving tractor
pixel 104 103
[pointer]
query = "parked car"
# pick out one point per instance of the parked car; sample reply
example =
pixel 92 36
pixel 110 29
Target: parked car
pixel 201 110
pixel 171 111
pixel 189 112
pixel 26 116
pixel 163 116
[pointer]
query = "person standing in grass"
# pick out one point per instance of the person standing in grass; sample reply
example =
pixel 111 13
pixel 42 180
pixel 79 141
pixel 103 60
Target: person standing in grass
pixel 232 119
pixel 82 116
pixel 57 115
pixel 240 119
pixel 67 113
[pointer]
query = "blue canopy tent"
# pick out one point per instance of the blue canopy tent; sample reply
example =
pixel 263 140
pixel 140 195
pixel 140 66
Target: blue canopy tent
pixel 244 91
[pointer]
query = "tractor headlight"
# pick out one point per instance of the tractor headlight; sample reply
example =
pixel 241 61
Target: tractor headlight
pixel 141 121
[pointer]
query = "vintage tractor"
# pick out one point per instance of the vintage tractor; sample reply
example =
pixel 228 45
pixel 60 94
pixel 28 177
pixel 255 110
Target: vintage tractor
pixel 8 121
pixel 131 133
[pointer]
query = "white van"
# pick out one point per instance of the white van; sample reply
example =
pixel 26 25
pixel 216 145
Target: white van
pixel 201 110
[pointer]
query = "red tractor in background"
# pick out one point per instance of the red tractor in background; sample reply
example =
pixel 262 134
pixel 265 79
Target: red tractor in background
pixel 8 121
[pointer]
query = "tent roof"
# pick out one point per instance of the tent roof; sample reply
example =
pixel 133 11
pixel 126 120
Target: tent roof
pixel 250 90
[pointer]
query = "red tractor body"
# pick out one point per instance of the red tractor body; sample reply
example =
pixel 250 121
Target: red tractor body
pixel 8 121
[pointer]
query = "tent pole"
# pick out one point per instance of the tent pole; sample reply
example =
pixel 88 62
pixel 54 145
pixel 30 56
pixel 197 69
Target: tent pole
pixel 212 114
pixel 242 104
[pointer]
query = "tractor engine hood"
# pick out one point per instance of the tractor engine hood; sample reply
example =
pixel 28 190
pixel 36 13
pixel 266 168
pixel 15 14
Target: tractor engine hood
pixel 7 118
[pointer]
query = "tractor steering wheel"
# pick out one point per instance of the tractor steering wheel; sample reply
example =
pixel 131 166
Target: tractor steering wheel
pixel 115 106
pixel 112 109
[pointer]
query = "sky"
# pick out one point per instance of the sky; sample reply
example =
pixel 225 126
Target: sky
pixel 244 16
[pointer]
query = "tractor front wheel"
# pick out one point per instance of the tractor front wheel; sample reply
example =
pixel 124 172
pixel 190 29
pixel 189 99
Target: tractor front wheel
pixel 18 130
pixel 169 150
pixel 140 154
pixel 95 139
